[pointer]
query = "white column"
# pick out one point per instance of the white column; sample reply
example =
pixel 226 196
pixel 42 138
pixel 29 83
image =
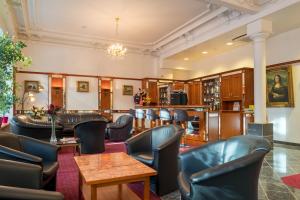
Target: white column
pixel 259 31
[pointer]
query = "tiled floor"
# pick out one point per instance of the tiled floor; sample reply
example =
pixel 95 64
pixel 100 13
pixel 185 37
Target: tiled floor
pixel 283 160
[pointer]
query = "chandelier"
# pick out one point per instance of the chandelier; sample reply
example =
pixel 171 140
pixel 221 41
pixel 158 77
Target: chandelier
pixel 116 49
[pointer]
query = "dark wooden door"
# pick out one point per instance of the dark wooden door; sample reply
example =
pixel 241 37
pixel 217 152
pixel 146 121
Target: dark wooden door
pixel 105 99
pixel 57 96
pixel 152 91
pixel 225 88
pixel 236 87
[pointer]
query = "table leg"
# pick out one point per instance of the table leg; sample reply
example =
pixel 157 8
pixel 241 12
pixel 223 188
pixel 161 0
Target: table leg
pixel 93 192
pixel 120 191
pixel 147 188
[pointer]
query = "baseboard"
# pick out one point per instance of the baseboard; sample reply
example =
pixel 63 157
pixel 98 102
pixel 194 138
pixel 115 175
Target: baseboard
pixel 287 143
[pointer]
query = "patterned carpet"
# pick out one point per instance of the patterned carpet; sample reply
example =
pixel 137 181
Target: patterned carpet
pixel 67 179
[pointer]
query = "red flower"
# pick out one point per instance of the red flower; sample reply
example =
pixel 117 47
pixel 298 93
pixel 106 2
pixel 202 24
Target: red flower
pixel 52 110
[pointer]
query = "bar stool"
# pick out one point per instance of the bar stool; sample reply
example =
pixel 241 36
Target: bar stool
pixel 132 113
pixel 139 114
pixel 152 117
pixel 181 117
pixel 165 116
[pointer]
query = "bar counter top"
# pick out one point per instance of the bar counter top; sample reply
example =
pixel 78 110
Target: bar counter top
pixel 173 106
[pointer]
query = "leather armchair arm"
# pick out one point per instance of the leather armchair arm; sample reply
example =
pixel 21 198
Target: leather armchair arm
pixel 235 168
pixel 202 157
pixel 11 154
pixel 16 193
pixel 162 152
pixel 19 174
pixel 115 126
pixel 139 143
pixel 39 148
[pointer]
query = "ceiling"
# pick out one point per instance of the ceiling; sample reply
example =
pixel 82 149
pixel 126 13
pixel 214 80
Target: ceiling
pixel 283 20
pixel 143 22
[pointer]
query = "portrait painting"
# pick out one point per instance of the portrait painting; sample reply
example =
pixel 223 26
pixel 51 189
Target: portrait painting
pixel 128 90
pixel 280 87
pixel 31 86
pixel 82 86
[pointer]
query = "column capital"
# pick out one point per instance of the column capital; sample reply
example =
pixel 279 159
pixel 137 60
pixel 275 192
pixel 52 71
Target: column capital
pixel 259 37
pixel 259 30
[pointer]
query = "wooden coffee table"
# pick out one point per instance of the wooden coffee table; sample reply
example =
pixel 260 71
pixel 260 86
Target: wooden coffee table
pixel 100 170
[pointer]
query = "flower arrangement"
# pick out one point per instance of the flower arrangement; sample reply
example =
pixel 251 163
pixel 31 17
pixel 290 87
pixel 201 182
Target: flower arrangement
pixel 52 113
pixel 37 112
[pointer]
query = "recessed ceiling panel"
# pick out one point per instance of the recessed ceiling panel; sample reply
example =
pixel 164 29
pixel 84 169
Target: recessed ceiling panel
pixel 142 21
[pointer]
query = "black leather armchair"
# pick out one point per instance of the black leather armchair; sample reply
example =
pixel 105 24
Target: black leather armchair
pixel 91 135
pixel 22 181
pixel 121 129
pixel 15 193
pixel 41 154
pixel 227 169
pixel 158 148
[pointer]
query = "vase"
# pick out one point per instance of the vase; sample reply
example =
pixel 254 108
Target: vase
pixel 53 139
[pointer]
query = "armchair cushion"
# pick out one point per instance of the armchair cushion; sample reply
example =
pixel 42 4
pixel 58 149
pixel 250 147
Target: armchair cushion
pixel 17 193
pixel 20 174
pixel 49 168
pixel 144 157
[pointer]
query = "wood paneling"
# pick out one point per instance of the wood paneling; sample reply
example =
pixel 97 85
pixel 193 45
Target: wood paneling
pixel 231 87
pixel 152 91
pixel 57 96
pixel 105 95
pixel 231 124
pixel 194 93
pixel 213 126
pixel 178 86
pixel 57 92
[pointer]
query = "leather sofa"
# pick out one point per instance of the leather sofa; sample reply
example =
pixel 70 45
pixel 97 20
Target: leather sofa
pixel 69 120
pixel 38 157
pixel 18 193
pixel 41 129
pixel 91 135
pixel 227 169
pixel 158 148
pixel 38 129
pixel 121 129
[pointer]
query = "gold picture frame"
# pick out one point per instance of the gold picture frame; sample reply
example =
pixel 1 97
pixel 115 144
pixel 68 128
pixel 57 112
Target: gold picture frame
pixel 128 90
pixel 279 87
pixel 83 86
pixel 31 86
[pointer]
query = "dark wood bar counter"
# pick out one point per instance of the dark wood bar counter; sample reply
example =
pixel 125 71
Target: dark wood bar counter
pixel 202 111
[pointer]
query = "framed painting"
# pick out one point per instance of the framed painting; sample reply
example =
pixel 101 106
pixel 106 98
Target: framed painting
pixel 280 87
pixel 128 90
pixel 82 86
pixel 31 86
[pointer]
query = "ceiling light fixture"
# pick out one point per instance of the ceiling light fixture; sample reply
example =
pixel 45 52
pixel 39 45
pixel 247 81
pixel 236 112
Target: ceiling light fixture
pixel 117 49
pixel 186 59
pixel 204 52
pixel 229 43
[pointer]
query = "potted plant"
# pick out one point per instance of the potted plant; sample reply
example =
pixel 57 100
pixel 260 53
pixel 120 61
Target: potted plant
pixel 10 55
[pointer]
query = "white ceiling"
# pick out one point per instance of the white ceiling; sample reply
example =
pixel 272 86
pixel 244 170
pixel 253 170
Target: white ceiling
pixel 142 21
pixel 283 20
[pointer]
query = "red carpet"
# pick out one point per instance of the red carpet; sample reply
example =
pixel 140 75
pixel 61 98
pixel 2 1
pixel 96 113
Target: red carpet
pixel 292 180
pixel 67 178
